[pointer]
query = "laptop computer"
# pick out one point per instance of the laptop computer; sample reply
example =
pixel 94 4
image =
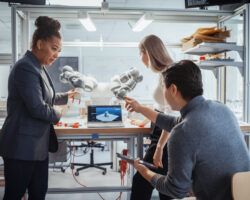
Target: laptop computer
pixel 104 116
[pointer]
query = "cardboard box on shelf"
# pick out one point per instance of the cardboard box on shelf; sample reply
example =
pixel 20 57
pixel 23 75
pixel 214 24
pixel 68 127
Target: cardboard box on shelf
pixel 189 44
pixel 209 34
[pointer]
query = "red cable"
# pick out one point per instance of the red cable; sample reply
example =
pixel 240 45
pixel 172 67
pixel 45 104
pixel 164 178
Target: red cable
pixel 122 183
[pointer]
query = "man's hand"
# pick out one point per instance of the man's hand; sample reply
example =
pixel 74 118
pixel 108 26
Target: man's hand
pixel 132 105
pixel 139 167
pixel 144 171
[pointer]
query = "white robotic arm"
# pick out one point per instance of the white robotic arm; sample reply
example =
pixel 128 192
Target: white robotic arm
pixel 77 80
pixel 126 82
pixel 120 85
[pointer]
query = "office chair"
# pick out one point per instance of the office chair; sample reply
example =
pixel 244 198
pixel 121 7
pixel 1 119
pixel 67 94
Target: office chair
pixel 240 186
pixel 91 145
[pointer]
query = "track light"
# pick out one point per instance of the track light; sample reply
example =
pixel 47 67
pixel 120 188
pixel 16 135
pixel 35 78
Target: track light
pixel 143 22
pixel 86 21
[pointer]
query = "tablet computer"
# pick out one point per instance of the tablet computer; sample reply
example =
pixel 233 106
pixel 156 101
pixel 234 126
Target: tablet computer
pixel 131 161
pixel 127 158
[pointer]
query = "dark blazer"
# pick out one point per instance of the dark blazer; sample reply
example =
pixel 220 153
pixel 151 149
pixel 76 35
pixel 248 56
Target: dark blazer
pixel 25 132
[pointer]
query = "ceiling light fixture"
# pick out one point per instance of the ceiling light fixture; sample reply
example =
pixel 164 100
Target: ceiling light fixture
pixel 101 44
pixel 143 22
pixel 75 2
pixel 86 21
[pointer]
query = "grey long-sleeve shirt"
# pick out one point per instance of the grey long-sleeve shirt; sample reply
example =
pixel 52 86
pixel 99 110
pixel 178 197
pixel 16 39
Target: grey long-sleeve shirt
pixel 205 150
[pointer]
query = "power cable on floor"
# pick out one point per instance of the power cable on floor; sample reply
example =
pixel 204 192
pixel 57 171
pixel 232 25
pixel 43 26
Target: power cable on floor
pixel 77 181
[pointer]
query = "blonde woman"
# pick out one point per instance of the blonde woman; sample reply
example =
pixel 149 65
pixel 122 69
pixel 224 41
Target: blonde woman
pixel 154 56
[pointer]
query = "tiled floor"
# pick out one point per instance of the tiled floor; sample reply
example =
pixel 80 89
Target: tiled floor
pixel 88 177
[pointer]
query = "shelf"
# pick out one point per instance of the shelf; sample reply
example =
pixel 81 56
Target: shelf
pixel 212 64
pixel 213 48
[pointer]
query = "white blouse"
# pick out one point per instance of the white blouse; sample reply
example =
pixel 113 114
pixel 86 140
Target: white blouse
pixel 160 102
pixel 158 96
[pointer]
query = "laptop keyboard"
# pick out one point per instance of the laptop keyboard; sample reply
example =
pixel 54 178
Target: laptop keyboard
pixel 103 125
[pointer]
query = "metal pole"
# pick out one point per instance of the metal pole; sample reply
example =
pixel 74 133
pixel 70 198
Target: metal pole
pixel 246 105
pixel 14 39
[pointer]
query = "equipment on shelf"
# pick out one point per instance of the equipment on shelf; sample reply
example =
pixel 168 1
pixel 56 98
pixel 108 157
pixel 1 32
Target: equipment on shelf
pixel 211 55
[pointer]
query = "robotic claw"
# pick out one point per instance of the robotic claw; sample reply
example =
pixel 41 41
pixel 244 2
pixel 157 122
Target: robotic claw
pixel 120 85
pixel 125 83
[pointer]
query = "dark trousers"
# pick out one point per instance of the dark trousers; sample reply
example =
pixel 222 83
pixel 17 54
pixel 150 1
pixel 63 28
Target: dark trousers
pixel 141 188
pixel 25 175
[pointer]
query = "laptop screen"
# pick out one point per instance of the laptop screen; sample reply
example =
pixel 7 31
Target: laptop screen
pixel 109 113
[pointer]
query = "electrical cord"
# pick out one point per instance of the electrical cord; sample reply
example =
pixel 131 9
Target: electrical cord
pixel 77 181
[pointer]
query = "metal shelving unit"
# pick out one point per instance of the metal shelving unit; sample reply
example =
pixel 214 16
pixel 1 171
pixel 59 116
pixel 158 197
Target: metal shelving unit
pixel 212 64
pixel 214 48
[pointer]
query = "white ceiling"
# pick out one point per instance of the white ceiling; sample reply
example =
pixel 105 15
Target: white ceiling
pixel 122 3
pixel 112 30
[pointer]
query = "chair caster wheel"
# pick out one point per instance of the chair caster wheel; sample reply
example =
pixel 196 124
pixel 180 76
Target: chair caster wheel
pixel 111 166
pixel 76 173
pixel 62 170
pixel 104 172
pixel 72 166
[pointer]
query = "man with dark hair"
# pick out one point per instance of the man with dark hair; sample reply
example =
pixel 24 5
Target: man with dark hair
pixel 205 149
pixel 187 79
